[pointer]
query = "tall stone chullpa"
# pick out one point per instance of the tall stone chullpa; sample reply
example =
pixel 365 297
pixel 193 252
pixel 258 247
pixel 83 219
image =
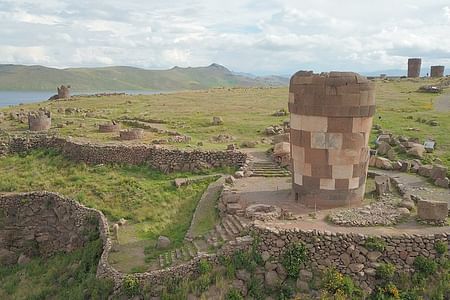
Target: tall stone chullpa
pixel 414 65
pixel 437 71
pixel 331 119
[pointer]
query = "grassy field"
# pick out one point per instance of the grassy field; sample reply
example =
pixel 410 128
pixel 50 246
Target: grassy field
pixel 64 276
pixel 147 198
pixel 246 113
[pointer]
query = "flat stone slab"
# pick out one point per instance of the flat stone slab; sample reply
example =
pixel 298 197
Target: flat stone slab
pixel 432 210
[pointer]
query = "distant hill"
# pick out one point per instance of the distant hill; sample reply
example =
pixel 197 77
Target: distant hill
pixel 19 77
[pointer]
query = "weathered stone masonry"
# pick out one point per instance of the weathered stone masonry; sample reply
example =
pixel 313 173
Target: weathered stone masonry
pixel 347 252
pixel 331 119
pixel 166 160
pixel 42 224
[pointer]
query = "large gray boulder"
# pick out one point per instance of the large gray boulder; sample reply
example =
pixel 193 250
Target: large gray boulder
pixel 163 242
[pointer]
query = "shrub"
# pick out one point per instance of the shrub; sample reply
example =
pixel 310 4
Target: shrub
pixel 375 244
pixel 255 288
pixel 337 284
pixel 201 284
pixel 424 266
pixel 234 294
pixel 204 266
pixel 244 260
pixel 385 271
pixel 131 286
pixel 389 292
pixel 293 258
pixel 440 247
pixel 286 291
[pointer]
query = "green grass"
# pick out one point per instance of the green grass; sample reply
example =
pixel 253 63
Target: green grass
pixel 63 276
pixel 207 216
pixel 147 198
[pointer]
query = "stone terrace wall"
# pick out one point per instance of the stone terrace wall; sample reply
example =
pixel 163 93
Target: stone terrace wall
pixel 43 223
pixel 347 252
pixel 166 160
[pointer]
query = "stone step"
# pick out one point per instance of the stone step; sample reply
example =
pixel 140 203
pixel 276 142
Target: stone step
pixel 270 175
pixel 228 229
pixel 232 227
pixel 222 233
pixel 237 222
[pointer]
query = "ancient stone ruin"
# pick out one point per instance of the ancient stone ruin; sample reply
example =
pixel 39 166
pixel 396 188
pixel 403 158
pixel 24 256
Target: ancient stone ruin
pixel 39 121
pixel 132 134
pixel 63 92
pixel 414 67
pixel 437 71
pixel 113 126
pixel 331 119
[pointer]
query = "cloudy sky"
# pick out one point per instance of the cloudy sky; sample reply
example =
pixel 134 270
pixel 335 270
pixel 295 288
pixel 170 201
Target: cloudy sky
pixel 257 36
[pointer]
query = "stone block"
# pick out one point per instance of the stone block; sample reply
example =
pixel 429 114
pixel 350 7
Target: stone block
pixel 432 210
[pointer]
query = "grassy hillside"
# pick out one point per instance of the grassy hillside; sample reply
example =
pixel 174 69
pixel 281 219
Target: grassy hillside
pixel 17 77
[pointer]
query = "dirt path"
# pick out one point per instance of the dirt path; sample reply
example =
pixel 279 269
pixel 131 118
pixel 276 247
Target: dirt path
pixel 442 103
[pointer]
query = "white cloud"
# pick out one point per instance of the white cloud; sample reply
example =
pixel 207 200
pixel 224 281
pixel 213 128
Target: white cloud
pixel 272 36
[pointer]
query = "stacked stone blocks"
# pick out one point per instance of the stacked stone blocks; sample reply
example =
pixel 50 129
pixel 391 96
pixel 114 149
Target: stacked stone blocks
pixel 331 119
pixel 414 65
pixel 437 71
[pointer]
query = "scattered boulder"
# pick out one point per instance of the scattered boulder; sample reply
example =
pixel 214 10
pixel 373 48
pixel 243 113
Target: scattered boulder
pixel 7 257
pixel 383 163
pixel 285 137
pixel 23 259
pixel 239 174
pixel 438 172
pixel 231 147
pixel 442 182
pixel 230 180
pixel 217 121
pixel 429 146
pixel 425 170
pixel 280 113
pixel 409 204
pixel 163 242
pixel 271 279
pixel 417 150
pixel 249 144
pixel 383 148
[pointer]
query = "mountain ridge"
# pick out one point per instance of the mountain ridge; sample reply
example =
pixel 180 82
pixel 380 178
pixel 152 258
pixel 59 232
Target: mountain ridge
pixel 110 78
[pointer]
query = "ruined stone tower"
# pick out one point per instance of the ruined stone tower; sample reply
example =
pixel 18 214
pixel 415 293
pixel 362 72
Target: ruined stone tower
pixel 39 121
pixel 414 67
pixel 331 119
pixel 63 92
pixel 437 71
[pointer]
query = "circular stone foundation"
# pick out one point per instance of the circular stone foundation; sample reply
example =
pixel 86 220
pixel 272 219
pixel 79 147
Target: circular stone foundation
pixel 109 127
pixel 263 212
pixel 132 134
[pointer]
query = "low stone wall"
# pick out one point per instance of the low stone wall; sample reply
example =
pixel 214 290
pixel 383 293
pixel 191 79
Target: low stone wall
pixel 166 160
pixel 348 252
pixel 42 224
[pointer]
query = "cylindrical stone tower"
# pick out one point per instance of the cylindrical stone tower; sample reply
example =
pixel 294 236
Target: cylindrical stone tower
pixel 414 67
pixel 331 119
pixel 437 71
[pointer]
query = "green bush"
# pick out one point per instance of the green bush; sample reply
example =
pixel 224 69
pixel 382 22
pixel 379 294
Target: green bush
pixel 385 271
pixel 131 286
pixel 286 291
pixel 293 258
pixel 202 284
pixel 441 247
pixel 424 266
pixel 375 244
pixel 388 292
pixel 244 260
pixel 338 285
pixel 204 266
pixel 255 288
pixel 234 294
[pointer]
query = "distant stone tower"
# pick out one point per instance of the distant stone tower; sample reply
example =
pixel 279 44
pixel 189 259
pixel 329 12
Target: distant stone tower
pixel 414 65
pixel 39 121
pixel 63 92
pixel 331 120
pixel 437 71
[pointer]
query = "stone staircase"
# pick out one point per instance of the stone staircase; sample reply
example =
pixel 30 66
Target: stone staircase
pixel 229 228
pixel 268 169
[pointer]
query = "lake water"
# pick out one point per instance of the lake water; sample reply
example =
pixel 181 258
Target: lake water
pixel 16 97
